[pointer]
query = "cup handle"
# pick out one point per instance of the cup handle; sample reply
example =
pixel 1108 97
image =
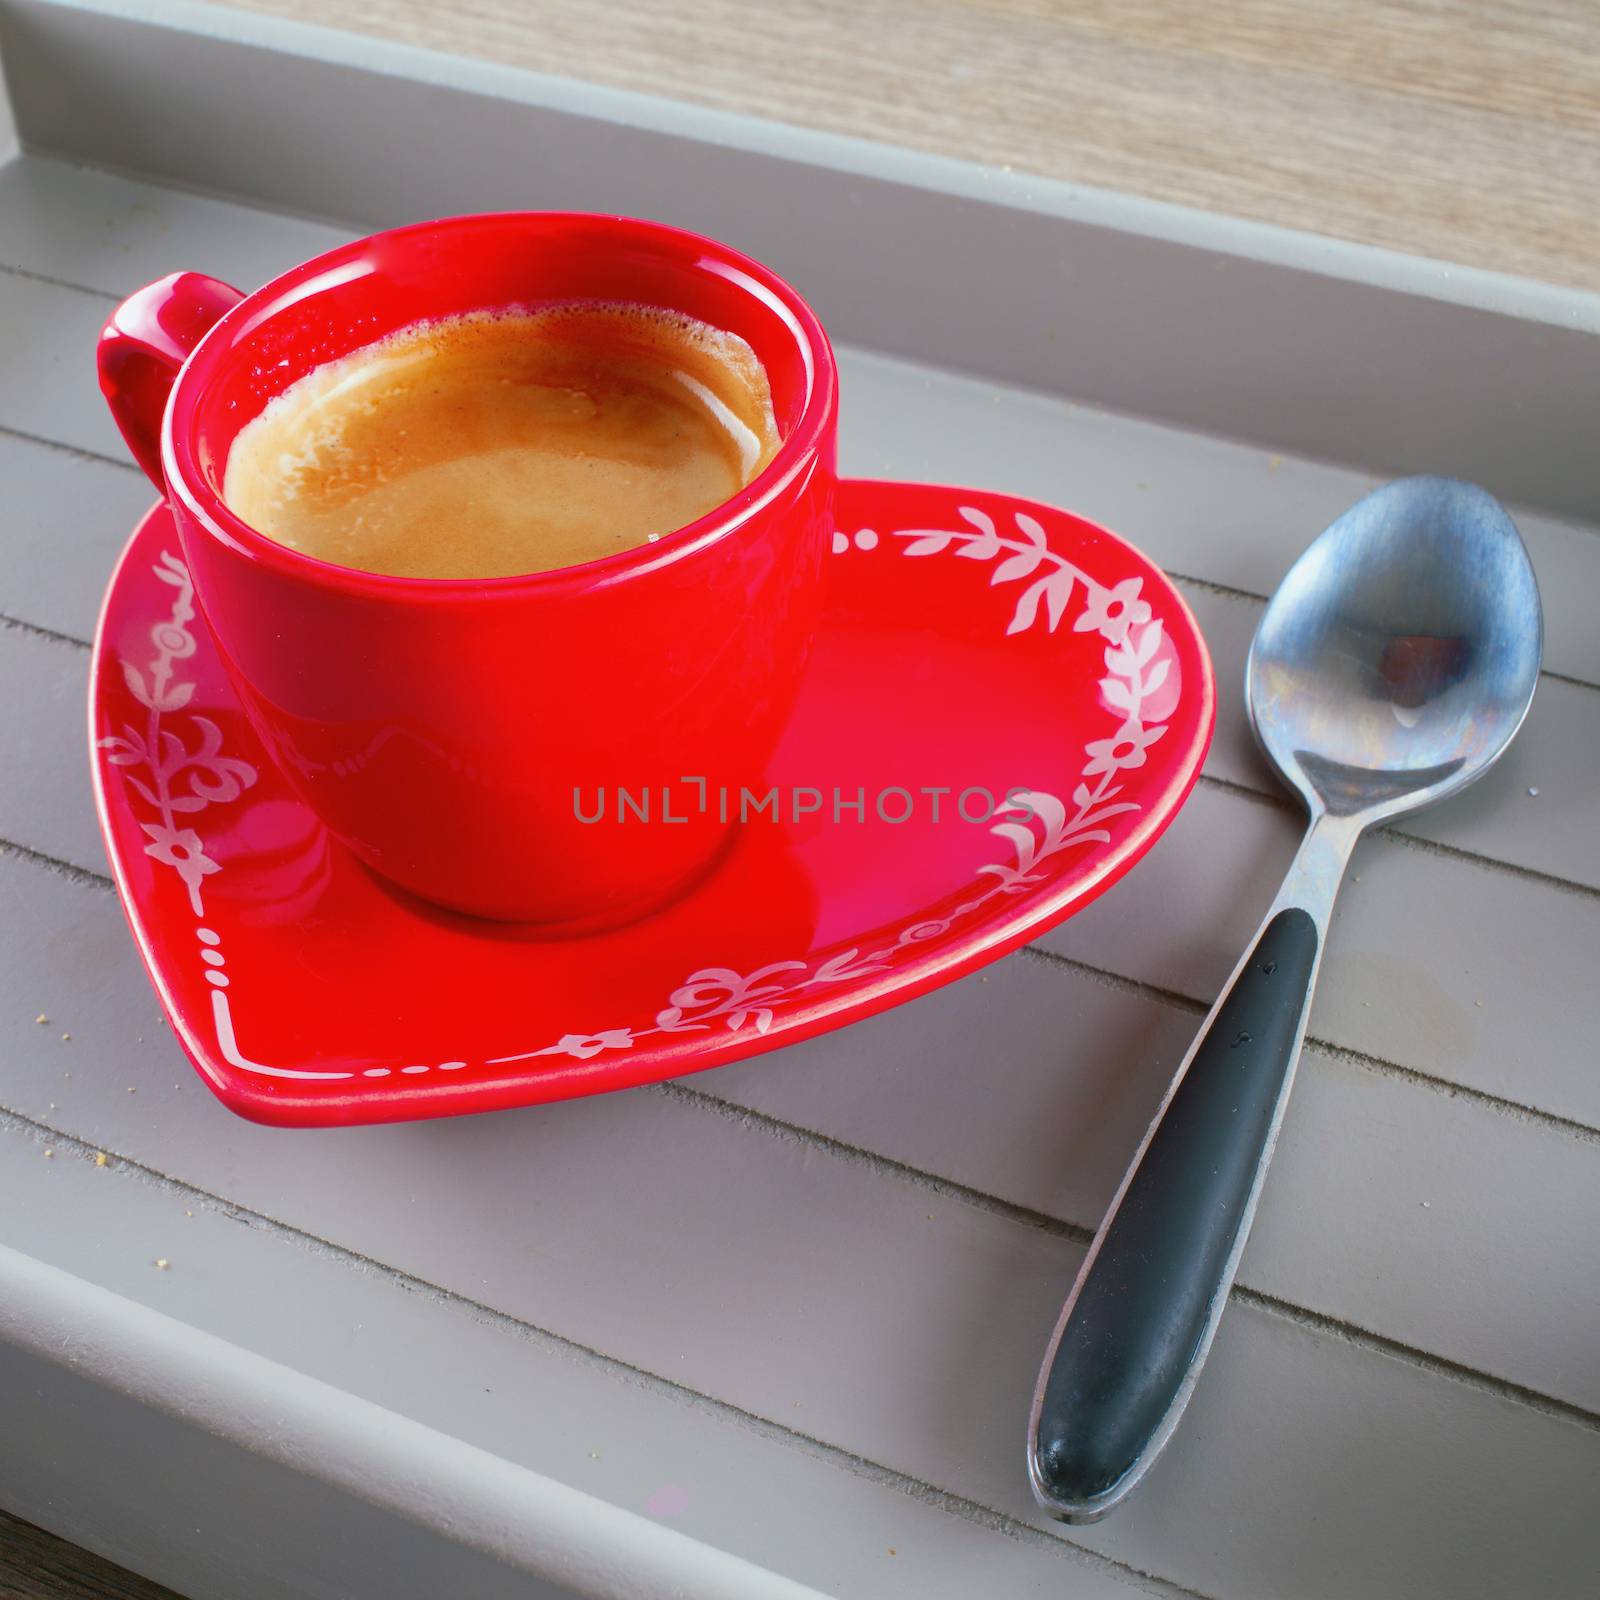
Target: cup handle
pixel 144 343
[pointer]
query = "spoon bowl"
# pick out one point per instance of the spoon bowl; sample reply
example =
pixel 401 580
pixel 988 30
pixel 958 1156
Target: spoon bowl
pixel 1396 659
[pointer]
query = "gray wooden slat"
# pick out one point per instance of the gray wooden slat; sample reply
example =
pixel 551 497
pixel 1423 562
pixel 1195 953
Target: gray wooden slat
pixel 1548 833
pixel 113 233
pixel 1556 753
pixel 1448 967
pixel 1135 1042
pixel 1034 1013
pixel 1465 972
pixel 1230 512
pixel 859 1308
pixel 46 802
pixel 47 381
pixel 1234 513
pixel 63 520
pixel 1083 1069
pixel 1329 348
pixel 1038 1083
pixel 501 1386
pixel 106 1497
pixel 66 518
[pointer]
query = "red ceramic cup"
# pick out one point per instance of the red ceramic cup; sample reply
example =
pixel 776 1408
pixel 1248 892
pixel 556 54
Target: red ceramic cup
pixel 456 733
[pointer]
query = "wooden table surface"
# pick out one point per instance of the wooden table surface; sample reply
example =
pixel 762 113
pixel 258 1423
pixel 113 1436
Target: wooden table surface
pixel 1458 129
pixel 35 1565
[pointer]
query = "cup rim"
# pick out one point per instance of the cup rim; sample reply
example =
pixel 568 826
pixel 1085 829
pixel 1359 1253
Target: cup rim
pixel 795 458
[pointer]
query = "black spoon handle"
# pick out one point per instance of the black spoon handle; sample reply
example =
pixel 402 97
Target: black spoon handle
pixel 1140 1319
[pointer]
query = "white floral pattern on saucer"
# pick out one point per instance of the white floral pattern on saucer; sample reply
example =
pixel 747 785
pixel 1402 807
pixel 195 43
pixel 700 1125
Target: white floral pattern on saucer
pixel 1084 617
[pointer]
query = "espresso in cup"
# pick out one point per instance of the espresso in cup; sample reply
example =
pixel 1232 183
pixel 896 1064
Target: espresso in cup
pixel 494 444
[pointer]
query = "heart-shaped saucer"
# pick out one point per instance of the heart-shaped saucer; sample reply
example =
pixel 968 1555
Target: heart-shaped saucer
pixel 1005 707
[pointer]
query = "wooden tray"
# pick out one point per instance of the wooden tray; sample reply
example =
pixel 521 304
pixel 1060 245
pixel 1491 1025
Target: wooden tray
pixel 774 1332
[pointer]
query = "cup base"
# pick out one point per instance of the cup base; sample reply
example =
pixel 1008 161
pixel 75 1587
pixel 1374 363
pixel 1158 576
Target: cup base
pixel 621 914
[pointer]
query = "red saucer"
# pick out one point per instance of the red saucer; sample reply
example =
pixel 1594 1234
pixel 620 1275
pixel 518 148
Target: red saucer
pixel 975 644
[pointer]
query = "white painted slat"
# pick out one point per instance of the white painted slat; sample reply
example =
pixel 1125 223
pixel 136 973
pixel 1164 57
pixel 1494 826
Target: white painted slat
pixel 1082 1068
pixel 79 1463
pixel 1465 972
pixel 568 1542
pixel 112 233
pixel 1556 752
pixel 1498 818
pixel 861 1309
pixel 503 1387
pixel 63 521
pixel 1230 512
pixel 1092 454
pixel 1361 355
pixel 46 803
pixel 1028 1024
pixel 47 380
pixel 1445 966
pixel 1033 1084
pixel 500 1386
pixel 66 518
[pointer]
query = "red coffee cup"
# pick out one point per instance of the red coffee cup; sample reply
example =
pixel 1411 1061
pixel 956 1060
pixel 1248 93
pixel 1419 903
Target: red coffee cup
pixel 457 734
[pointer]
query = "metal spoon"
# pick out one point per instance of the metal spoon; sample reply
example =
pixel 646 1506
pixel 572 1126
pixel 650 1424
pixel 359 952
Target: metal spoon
pixel 1391 668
